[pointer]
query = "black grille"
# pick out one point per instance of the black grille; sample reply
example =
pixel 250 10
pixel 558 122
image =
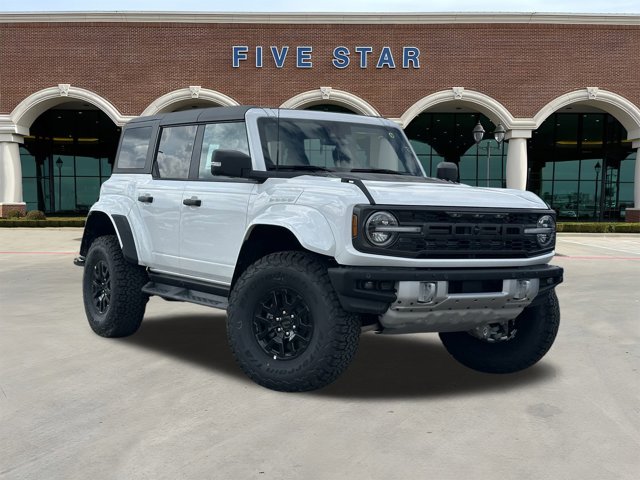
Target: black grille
pixel 459 233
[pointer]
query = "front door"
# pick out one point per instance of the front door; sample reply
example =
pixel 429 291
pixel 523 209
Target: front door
pixel 214 214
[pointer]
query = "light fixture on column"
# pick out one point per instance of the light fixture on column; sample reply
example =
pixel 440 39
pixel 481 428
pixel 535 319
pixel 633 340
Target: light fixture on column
pixel 597 167
pixel 498 135
pixel 59 165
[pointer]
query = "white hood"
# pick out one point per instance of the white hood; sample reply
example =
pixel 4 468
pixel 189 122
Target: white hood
pixel 450 195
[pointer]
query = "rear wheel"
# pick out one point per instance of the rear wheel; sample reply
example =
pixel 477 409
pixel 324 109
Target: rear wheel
pixel 286 326
pixel 112 289
pixel 510 347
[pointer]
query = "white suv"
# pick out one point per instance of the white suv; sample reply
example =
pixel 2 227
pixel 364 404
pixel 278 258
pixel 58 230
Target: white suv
pixel 309 228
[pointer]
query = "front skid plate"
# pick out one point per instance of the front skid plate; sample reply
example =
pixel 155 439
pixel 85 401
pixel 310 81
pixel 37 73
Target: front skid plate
pixel 455 312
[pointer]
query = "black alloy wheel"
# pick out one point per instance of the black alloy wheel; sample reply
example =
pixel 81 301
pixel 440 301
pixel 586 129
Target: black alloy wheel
pixel 101 287
pixel 283 324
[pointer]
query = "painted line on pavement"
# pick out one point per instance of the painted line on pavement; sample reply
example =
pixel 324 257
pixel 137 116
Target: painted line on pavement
pixel 598 246
pixel 601 257
pixel 38 253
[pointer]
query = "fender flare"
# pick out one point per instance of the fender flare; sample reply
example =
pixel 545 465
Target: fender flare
pixel 119 224
pixel 307 224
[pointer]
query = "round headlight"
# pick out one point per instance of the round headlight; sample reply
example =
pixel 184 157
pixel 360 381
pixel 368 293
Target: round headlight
pixel 376 229
pixel 546 239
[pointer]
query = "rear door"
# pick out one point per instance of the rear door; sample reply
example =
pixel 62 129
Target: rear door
pixel 214 216
pixel 159 198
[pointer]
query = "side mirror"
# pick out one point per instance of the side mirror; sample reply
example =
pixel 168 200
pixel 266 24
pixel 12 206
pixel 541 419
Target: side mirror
pixel 447 171
pixel 231 163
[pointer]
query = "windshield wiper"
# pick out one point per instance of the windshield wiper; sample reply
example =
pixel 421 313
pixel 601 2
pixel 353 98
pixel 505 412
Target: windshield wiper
pixel 377 170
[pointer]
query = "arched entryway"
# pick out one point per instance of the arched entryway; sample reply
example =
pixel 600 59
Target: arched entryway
pixel 440 128
pixel 329 98
pixel 187 98
pixel 66 157
pixel 441 135
pixel 583 155
pixel 329 107
pixel 581 163
pixel 65 146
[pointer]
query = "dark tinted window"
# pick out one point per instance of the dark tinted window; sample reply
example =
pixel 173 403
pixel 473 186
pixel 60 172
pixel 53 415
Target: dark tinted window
pixel 335 145
pixel 135 144
pixel 174 152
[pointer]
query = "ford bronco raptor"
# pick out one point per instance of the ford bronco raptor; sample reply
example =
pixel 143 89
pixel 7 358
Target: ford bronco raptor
pixel 308 228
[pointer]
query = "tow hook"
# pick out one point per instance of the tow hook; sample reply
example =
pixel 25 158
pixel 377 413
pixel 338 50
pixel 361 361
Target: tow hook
pixel 79 261
pixel 495 332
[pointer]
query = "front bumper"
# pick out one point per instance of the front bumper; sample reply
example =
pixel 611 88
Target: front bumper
pixel 462 298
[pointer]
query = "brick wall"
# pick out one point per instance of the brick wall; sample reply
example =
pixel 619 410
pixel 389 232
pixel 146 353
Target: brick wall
pixel 632 215
pixel 523 66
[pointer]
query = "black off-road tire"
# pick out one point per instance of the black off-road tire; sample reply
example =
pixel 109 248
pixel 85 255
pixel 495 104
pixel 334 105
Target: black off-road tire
pixel 112 289
pixel 536 326
pixel 300 279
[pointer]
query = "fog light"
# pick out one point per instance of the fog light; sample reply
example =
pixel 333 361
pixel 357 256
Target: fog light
pixel 522 287
pixel 427 292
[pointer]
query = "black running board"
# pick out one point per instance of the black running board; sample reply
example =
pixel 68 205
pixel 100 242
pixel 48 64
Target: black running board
pixel 182 294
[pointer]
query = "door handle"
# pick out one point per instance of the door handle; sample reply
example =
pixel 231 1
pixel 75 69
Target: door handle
pixel 145 199
pixel 192 202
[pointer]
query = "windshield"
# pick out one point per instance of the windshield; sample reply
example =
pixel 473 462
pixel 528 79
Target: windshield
pixel 332 146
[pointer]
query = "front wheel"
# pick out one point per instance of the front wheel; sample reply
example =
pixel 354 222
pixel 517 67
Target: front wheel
pixel 514 346
pixel 286 326
pixel 112 289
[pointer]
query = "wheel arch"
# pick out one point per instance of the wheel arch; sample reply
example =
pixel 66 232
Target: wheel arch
pixel 100 223
pixel 263 239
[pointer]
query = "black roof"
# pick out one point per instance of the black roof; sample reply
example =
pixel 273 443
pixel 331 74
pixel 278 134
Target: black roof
pixel 195 115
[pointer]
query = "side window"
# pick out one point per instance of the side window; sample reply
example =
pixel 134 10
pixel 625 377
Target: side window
pixel 174 152
pixel 134 147
pixel 221 136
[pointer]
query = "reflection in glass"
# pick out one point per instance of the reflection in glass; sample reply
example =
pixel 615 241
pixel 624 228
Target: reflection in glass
pixel 448 137
pixel 87 166
pixel 174 151
pixel 85 143
pixel 134 147
pixel 30 193
pixel 86 192
pixel 221 136
pixel 576 171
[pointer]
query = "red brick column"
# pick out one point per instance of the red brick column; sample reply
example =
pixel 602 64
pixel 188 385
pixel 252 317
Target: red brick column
pixel 632 215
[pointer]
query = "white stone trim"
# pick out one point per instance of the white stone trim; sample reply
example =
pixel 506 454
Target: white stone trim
pixel 518 133
pixel 636 181
pixel 37 103
pixel 10 173
pixel 166 101
pixel 322 18
pixel 517 163
pixel 627 113
pixel 490 107
pixel 195 91
pixel 12 137
pixel 64 89
pixel 332 96
pixel 458 93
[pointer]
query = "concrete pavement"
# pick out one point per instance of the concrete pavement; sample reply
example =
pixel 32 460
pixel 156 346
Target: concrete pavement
pixel 170 402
